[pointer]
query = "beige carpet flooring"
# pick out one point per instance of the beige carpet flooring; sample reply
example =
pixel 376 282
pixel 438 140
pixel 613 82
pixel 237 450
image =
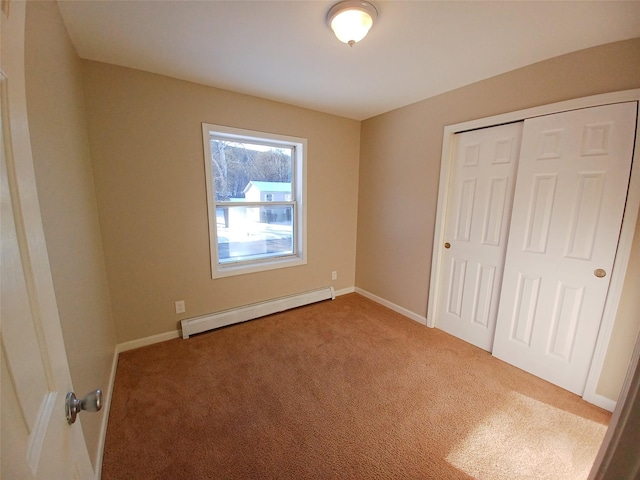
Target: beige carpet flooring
pixel 343 389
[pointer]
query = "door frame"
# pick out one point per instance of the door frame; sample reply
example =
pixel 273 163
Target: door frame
pixel 627 231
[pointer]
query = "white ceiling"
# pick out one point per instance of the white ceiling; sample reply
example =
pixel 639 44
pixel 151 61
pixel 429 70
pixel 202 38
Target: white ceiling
pixel 283 50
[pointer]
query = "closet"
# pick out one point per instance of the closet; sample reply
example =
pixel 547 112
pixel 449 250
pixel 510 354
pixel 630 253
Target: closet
pixel 528 236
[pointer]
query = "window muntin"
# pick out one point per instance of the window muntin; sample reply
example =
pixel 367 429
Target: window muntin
pixel 255 195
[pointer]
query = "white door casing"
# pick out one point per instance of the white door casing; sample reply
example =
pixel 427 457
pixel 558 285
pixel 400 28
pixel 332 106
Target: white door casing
pixel 569 201
pixel 37 442
pixel 476 227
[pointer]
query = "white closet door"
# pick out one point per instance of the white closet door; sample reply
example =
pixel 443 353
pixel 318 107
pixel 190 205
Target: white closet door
pixel 476 230
pixel 570 195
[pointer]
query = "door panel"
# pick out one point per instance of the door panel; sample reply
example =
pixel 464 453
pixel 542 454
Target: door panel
pixel 543 191
pixel 476 228
pixel 569 200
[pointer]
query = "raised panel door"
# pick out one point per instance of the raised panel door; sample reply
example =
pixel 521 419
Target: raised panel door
pixel 476 229
pixel 570 195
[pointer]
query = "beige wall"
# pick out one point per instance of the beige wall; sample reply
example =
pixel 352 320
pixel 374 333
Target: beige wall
pixel 62 163
pixel 147 151
pixel 627 327
pixel 400 163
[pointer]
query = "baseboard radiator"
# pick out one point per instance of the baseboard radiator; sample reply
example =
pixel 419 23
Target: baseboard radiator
pixel 191 326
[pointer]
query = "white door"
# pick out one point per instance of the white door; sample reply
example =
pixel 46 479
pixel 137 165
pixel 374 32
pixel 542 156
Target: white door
pixel 570 195
pixel 476 230
pixel 37 442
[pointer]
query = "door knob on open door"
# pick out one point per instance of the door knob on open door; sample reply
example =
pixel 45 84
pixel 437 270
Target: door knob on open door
pixel 600 273
pixel 92 402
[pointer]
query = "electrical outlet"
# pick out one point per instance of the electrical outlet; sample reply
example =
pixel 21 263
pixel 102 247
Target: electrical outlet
pixel 180 307
pixel 334 275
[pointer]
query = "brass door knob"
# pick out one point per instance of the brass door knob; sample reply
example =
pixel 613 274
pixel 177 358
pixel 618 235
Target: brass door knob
pixel 600 273
pixel 447 245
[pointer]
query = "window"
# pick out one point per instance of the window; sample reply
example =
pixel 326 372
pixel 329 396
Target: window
pixel 256 200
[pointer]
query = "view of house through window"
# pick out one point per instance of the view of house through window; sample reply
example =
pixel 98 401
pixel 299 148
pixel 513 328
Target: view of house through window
pixel 255 191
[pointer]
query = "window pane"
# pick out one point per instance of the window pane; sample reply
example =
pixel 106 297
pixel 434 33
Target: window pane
pixel 251 233
pixel 256 185
pixel 250 172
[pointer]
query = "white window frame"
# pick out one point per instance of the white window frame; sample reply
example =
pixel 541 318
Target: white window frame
pixel 299 199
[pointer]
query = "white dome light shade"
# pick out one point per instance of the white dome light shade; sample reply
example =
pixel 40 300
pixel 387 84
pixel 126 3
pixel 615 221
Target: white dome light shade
pixel 351 20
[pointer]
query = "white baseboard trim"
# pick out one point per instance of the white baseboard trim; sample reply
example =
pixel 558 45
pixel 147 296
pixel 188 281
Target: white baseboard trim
pixel 344 291
pixel 600 401
pixel 143 342
pixel 396 308
pixel 106 405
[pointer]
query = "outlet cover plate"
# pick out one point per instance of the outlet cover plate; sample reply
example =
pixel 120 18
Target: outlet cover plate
pixel 180 307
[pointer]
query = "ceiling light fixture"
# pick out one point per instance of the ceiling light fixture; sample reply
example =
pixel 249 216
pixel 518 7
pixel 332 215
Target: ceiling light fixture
pixel 351 20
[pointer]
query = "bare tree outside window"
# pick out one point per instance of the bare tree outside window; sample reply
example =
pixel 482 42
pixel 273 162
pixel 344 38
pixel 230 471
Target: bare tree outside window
pixel 236 164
